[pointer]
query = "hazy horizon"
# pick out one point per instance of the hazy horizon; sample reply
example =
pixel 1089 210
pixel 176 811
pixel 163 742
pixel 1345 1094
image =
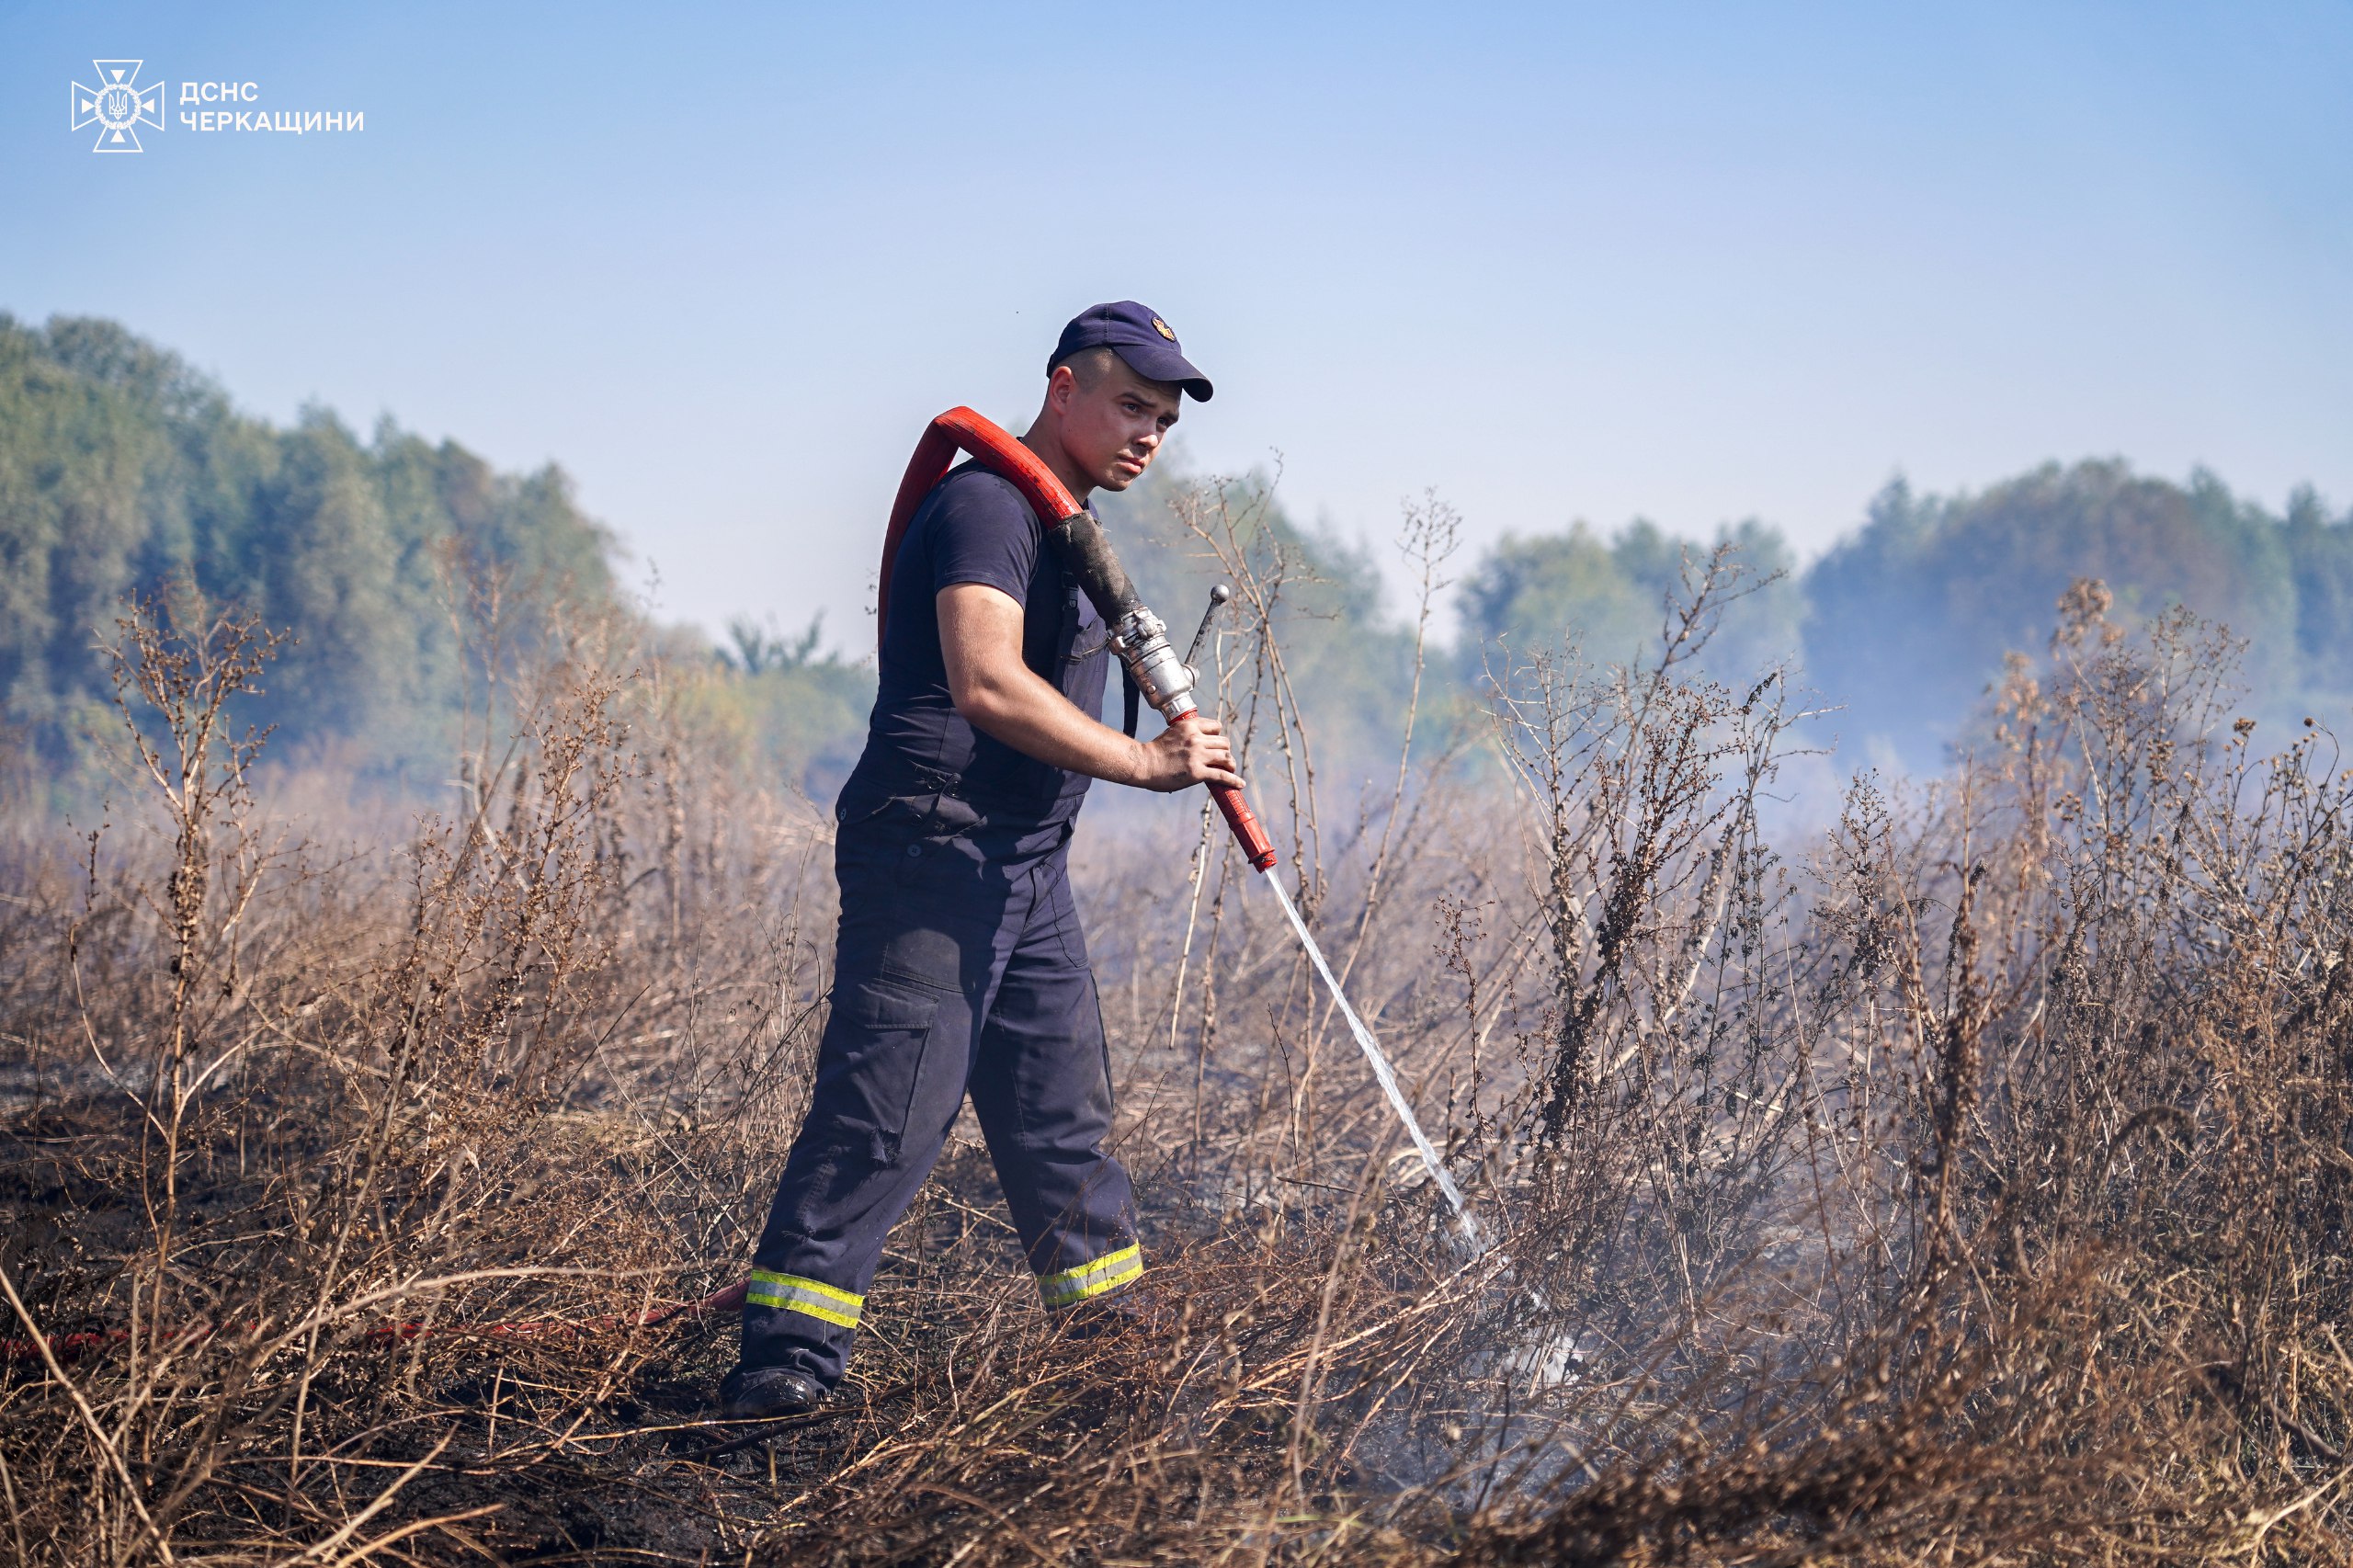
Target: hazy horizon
pixel 1696 268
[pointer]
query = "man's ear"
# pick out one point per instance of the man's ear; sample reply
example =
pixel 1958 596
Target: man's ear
pixel 1061 385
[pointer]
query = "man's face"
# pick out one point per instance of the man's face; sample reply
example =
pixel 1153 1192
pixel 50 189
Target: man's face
pixel 1112 429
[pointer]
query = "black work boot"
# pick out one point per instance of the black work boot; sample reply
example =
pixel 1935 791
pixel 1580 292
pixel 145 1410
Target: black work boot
pixel 764 1393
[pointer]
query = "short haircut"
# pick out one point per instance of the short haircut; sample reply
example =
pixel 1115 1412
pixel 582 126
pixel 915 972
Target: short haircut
pixel 1088 366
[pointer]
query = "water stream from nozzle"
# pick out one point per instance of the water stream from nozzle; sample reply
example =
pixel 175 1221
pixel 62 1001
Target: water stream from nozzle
pixel 1381 1070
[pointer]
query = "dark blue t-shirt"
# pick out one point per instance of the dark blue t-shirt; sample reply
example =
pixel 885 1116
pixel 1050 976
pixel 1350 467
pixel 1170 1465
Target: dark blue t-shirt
pixel 923 755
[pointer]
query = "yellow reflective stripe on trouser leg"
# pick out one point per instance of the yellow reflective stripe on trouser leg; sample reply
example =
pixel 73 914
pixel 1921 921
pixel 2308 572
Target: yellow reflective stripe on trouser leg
pixel 1108 1272
pixel 815 1297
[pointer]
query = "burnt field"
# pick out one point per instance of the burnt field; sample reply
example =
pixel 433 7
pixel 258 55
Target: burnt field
pixel 1964 1181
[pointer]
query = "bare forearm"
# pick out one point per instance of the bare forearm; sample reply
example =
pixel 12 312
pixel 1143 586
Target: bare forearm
pixel 979 642
pixel 1018 708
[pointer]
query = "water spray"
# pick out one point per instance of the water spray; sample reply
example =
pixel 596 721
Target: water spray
pixel 1141 640
pixel 1381 1070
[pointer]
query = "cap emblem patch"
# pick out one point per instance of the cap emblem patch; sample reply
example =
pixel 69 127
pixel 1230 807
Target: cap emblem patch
pixel 1162 327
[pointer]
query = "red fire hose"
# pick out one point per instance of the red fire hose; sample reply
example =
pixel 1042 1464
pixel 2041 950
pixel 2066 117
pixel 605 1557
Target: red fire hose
pixel 1137 634
pixel 1075 534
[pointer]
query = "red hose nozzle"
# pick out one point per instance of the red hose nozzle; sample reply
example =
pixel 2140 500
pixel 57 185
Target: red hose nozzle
pixel 1256 845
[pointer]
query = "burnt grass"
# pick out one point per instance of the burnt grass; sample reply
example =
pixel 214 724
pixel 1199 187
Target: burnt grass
pixel 1962 1179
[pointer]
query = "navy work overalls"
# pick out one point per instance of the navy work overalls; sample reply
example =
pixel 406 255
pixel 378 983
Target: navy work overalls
pixel 960 967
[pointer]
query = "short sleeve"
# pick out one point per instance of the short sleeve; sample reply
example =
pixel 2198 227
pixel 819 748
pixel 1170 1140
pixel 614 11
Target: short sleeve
pixel 984 533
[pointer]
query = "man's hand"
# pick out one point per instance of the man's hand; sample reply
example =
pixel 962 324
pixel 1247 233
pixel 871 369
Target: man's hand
pixel 1193 750
pixel 979 642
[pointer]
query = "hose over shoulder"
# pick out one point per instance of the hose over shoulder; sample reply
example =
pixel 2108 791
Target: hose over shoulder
pixel 1001 454
pixel 1080 544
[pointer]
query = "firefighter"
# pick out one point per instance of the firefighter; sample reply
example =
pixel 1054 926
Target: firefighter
pixel 959 965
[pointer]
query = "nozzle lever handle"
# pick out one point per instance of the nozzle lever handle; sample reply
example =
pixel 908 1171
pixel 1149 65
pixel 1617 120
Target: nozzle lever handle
pixel 1218 596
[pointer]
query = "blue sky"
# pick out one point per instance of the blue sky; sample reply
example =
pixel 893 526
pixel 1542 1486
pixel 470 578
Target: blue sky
pixel 1695 263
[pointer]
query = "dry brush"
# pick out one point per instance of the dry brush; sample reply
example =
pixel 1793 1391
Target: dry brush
pixel 1966 1182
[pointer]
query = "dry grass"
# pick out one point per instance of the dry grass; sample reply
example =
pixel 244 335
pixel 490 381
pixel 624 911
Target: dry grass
pixel 1967 1185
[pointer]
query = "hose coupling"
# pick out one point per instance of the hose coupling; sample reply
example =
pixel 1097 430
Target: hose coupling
pixel 1141 641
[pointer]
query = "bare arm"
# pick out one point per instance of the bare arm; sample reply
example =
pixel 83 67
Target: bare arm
pixel 980 638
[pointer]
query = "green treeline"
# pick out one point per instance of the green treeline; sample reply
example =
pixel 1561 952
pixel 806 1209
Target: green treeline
pixel 121 468
pixel 1901 626
pixel 1907 619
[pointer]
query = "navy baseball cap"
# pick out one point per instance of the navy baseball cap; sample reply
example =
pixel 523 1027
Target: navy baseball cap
pixel 1138 336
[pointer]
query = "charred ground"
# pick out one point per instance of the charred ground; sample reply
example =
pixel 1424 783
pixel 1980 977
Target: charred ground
pixel 1965 1183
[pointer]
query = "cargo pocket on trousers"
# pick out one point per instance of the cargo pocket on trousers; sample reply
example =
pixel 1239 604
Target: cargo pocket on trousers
pixel 887 1037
